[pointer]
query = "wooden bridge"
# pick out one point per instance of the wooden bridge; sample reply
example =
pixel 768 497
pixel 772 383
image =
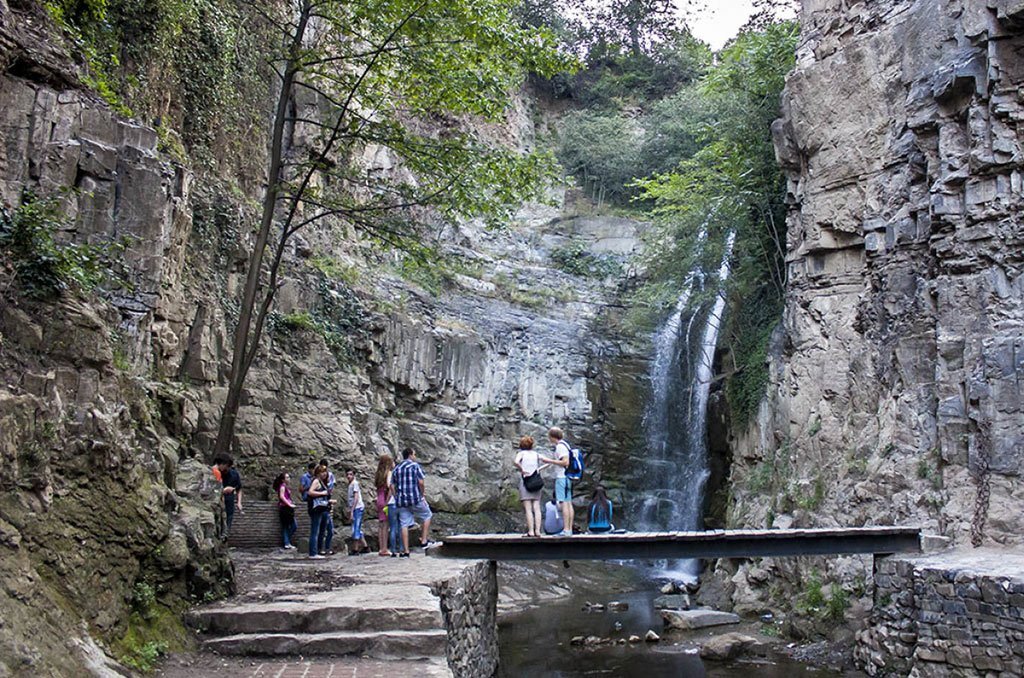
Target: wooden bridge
pixel 673 545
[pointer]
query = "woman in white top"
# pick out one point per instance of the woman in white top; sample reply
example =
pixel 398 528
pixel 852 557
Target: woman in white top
pixel 528 462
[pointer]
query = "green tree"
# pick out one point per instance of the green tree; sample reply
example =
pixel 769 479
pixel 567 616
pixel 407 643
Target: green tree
pixel 636 24
pixel 602 150
pixel 371 73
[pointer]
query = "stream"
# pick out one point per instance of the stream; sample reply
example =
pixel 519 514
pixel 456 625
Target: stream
pixel 536 642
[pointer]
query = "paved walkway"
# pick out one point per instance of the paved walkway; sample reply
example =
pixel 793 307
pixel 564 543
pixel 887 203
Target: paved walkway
pixel 987 562
pixel 340 667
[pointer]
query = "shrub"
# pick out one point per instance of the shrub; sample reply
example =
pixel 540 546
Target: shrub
pixel 43 266
pixel 340 319
pixel 144 657
pixel 574 259
pixel 144 599
pixel 838 603
pixel 813 597
pixel 297 320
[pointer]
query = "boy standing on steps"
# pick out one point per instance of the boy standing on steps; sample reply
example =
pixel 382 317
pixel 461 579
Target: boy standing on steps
pixel 407 481
pixel 563 486
pixel 231 490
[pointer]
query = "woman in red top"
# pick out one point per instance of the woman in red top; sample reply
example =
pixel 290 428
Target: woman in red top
pixel 285 509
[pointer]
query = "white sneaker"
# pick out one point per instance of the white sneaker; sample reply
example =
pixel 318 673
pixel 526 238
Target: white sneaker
pixel 289 548
pixel 318 557
pixel 565 533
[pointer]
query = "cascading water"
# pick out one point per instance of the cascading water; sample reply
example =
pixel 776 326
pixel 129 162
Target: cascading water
pixel 675 467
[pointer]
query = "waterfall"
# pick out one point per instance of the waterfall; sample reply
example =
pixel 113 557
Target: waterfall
pixel 675 466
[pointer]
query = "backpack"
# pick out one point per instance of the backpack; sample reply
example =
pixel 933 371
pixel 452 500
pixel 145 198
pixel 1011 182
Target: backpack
pixel 575 469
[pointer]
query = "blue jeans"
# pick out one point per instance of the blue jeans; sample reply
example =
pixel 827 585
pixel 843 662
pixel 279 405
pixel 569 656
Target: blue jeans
pixel 394 531
pixel 326 534
pixel 229 512
pixel 318 528
pixel 357 523
pixel 288 529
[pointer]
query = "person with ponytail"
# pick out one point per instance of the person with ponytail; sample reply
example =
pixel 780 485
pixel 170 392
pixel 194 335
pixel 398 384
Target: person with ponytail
pixel 600 512
pixel 387 517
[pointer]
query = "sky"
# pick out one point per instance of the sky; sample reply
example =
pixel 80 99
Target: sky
pixel 718 20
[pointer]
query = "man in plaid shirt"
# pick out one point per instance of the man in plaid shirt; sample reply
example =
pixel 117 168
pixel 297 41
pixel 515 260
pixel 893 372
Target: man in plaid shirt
pixel 407 479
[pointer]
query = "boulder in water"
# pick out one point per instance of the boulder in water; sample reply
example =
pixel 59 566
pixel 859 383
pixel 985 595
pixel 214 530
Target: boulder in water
pixel 635 639
pixel 617 606
pixel 652 637
pixel 730 646
pixel 670 588
pixel 688 620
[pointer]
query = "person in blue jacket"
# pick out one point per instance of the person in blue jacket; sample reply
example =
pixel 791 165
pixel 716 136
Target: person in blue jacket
pixel 600 512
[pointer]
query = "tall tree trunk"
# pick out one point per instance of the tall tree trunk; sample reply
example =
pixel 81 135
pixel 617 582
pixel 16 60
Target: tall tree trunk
pixel 244 344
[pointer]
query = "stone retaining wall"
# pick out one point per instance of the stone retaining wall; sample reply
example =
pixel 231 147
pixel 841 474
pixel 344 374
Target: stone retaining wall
pixel 948 614
pixel 260 527
pixel 469 604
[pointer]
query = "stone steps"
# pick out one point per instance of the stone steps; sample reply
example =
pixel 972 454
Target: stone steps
pixel 346 611
pixel 312 618
pixel 400 644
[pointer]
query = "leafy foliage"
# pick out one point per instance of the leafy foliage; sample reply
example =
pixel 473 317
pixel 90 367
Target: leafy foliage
pixel 144 599
pixel 576 260
pixel 44 266
pixel 730 185
pixel 838 603
pixel 340 318
pixel 616 77
pixel 602 150
pixel 145 656
pixel 197 64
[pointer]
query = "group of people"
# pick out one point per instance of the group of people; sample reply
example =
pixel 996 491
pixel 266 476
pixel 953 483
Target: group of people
pixel 559 513
pixel 316 489
pixel 400 503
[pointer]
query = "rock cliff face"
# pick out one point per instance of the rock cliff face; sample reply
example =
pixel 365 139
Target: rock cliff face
pixel 896 377
pixel 109 403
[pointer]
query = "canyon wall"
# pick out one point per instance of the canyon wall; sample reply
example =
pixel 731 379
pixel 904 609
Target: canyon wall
pixel 110 400
pixel 895 393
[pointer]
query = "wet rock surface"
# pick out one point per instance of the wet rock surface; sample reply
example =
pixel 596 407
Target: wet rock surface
pixel 894 395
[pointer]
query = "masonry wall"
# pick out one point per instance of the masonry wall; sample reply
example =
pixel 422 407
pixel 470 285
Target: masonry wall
pixel 946 615
pixel 260 527
pixel 469 604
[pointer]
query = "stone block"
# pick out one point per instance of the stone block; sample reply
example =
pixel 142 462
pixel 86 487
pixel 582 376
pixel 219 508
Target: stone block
pixel 959 656
pixel 927 654
pixel 689 620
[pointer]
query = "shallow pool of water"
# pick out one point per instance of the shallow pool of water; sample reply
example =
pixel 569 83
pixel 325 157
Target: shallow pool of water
pixel 537 643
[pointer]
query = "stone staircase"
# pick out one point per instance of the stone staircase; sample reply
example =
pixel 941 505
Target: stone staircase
pixel 308 608
pixel 375 625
